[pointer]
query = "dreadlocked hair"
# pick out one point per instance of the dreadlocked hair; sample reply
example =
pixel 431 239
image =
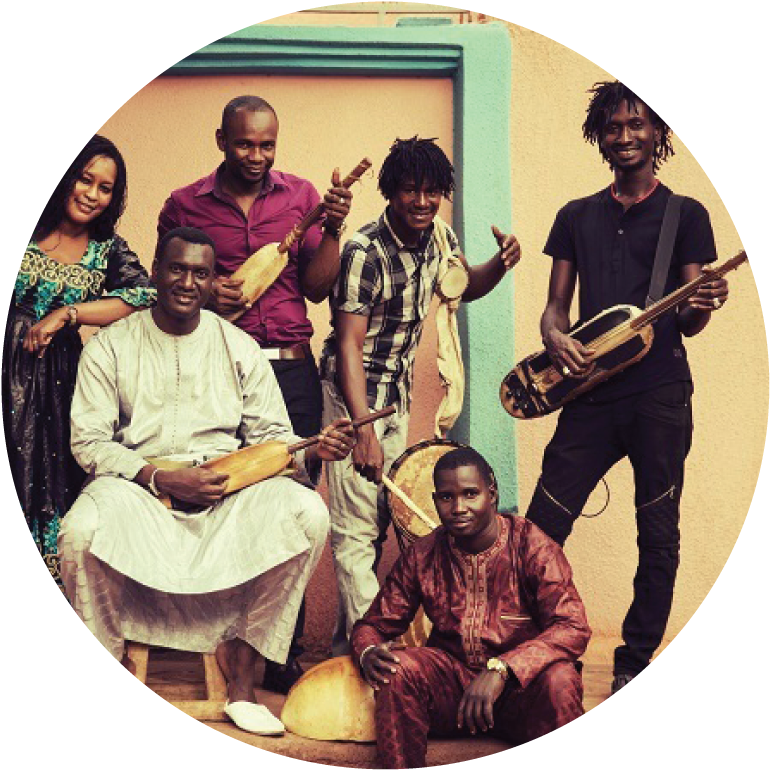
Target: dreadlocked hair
pixel 607 96
pixel 418 161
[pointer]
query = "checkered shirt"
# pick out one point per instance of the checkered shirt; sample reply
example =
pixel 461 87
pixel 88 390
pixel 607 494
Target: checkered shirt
pixel 393 285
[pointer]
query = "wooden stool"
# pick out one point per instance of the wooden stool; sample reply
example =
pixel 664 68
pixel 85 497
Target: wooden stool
pixel 211 708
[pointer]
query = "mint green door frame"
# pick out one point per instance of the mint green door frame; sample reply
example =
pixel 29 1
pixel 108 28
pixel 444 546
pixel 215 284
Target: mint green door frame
pixel 478 59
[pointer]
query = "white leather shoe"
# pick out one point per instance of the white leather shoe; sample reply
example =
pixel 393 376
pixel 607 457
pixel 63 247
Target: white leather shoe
pixel 255 718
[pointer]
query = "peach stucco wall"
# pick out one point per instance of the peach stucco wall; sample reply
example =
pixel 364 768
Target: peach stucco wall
pixel 324 123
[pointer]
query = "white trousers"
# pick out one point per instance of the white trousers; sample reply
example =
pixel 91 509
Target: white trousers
pixel 359 518
pixel 257 549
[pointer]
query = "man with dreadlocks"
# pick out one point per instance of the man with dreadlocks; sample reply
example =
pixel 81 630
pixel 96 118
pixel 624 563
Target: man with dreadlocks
pixel 388 274
pixel 607 243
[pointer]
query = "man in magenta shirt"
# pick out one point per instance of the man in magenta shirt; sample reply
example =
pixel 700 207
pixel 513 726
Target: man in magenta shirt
pixel 243 205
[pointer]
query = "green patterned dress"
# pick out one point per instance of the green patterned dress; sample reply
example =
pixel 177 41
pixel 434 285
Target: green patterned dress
pixel 37 391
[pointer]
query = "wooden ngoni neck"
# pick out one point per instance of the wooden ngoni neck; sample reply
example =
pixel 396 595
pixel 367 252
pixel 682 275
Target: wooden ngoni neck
pixel 684 292
pixel 299 229
pixel 371 418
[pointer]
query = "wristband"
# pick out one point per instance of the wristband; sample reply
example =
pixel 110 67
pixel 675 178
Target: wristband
pixel 72 312
pixel 363 654
pixel 151 484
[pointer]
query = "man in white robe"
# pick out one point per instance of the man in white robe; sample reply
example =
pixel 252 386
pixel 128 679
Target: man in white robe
pixel 214 572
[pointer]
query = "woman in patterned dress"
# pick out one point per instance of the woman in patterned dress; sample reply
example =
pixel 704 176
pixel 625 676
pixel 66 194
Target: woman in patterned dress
pixel 76 270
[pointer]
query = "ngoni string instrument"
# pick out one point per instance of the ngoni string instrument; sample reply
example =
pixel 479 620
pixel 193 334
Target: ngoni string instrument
pixel 253 464
pixel 619 337
pixel 262 268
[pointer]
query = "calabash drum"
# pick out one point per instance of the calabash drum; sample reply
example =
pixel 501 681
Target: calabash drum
pixel 331 702
pixel 413 473
pixel 454 282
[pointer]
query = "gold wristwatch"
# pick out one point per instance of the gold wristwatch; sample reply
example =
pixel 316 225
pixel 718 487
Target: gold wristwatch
pixel 496 665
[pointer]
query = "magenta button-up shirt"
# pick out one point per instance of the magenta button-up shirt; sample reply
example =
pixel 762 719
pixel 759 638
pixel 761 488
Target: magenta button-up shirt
pixel 279 317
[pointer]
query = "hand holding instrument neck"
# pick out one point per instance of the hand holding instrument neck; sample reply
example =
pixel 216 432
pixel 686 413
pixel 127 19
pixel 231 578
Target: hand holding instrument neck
pixel 253 464
pixel 618 337
pixel 260 270
pixel 358 423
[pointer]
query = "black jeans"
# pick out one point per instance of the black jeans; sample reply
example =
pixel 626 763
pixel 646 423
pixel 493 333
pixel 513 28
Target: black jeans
pixel 300 386
pixel 654 431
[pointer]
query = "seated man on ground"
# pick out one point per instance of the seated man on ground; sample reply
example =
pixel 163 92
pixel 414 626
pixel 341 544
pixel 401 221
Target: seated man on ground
pixel 213 572
pixel 508 626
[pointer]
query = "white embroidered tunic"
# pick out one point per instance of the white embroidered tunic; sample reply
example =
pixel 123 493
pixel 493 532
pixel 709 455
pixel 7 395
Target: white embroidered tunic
pixel 143 393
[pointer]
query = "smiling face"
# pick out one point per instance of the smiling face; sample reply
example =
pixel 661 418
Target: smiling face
pixel 630 137
pixel 413 208
pixel 467 506
pixel 183 274
pixel 92 192
pixel 248 141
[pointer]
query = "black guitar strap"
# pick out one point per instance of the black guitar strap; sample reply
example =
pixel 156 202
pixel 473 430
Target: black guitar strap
pixel 664 249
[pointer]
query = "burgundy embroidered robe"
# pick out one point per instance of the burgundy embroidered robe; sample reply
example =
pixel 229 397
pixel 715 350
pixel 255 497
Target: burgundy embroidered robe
pixel 515 601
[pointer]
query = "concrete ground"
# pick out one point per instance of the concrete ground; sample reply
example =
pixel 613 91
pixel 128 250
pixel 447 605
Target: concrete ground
pixel 176 676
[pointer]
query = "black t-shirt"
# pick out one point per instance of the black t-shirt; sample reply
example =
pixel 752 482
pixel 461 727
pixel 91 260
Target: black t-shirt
pixel 613 252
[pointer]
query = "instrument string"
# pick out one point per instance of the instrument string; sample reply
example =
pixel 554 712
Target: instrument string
pixel 606 339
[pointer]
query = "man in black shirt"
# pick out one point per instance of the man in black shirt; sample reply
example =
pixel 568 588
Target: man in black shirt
pixel 607 242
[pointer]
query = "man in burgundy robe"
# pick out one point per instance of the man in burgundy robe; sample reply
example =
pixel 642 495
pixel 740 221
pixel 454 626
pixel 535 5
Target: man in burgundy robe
pixel 508 626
